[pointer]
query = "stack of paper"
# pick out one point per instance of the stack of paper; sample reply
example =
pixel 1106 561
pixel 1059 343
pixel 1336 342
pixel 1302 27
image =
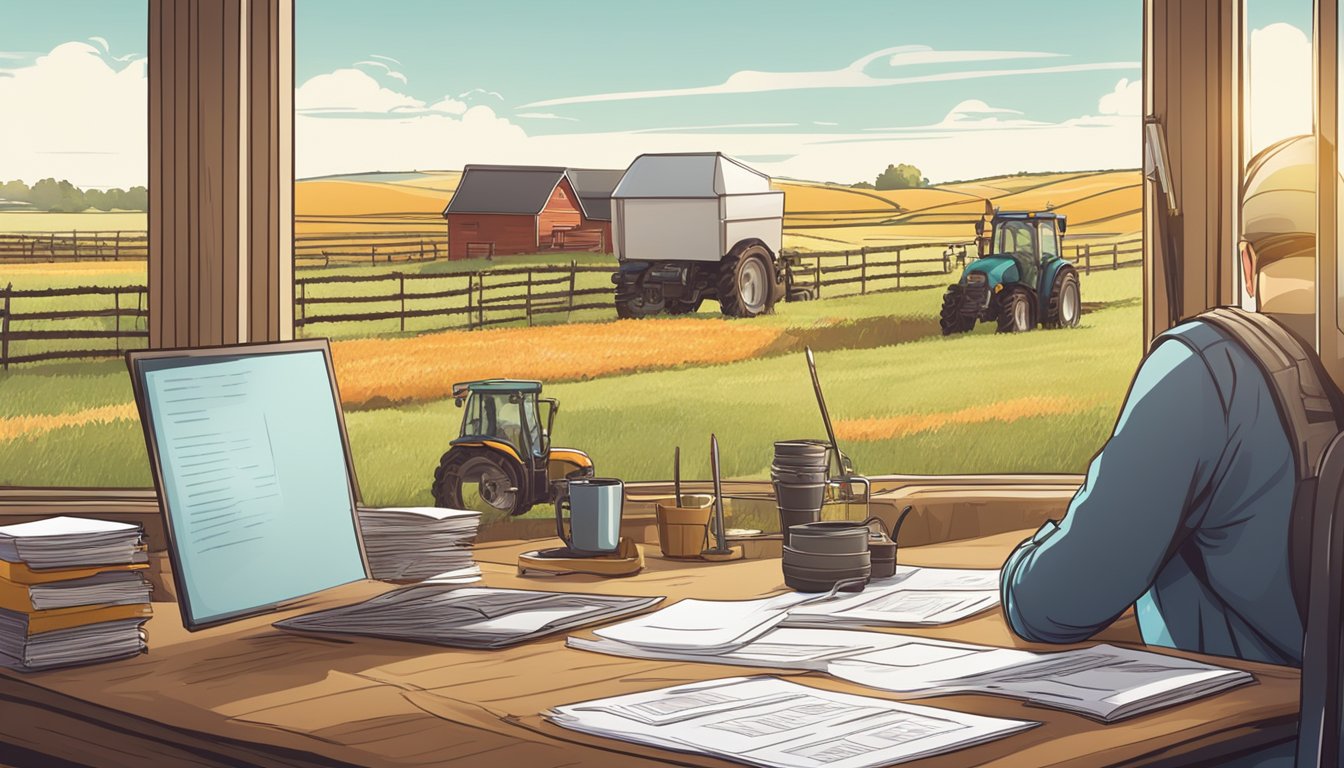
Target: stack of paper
pixel 771 722
pixel 912 597
pixel 467 617
pixel 703 627
pixel 69 542
pixel 1103 682
pixel 417 543
pixel 71 592
pixel 780 648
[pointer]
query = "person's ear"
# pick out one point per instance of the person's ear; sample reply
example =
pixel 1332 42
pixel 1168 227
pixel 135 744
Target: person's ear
pixel 1248 264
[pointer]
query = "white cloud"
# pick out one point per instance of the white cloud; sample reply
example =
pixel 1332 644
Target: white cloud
pixel 350 90
pixel 1126 99
pixel 477 93
pixel 385 58
pixel 1280 96
pixel 102 43
pixel 852 76
pixel 82 118
pixel 923 54
pixel 390 72
pixel 546 116
pixel 448 106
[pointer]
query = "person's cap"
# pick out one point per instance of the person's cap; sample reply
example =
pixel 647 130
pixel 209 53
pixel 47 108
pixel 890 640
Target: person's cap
pixel 1278 200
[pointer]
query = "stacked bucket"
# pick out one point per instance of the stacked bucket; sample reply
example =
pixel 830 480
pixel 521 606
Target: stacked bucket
pixel 799 475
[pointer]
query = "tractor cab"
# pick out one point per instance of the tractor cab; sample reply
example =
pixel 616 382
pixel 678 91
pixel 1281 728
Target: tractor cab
pixel 1020 279
pixel 502 459
pixel 506 410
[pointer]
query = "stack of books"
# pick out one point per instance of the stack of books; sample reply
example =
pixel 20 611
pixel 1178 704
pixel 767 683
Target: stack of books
pixel 420 543
pixel 72 591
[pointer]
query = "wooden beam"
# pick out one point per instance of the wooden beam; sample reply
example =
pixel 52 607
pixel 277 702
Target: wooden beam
pixel 221 172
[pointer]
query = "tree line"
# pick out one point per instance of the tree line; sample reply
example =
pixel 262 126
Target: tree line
pixel 63 197
pixel 903 176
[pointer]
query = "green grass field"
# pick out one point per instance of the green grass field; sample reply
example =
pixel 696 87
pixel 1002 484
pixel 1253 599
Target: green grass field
pixel 914 401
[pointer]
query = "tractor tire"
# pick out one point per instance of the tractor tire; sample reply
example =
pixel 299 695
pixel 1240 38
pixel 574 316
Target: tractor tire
pixel 499 484
pixel 636 309
pixel 746 284
pixel 1016 313
pixel 1065 304
pixel 951 318
pixel 684 308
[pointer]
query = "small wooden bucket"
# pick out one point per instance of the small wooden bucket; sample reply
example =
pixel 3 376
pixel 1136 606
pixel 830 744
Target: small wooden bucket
pixel 684 531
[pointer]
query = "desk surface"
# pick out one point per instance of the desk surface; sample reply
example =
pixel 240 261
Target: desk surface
pixel 247 694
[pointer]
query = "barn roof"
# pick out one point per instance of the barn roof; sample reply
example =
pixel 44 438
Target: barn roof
pixel 689 175
pixel 594 188
pixel 522 189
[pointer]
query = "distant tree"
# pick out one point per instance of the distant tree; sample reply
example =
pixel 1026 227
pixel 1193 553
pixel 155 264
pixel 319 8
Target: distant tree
pixel 64 197
pixel 863 185
pixel 15 190
pixel 903 176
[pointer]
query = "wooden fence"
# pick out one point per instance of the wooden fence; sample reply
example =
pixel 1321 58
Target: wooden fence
pixel 123 323
pixel 470 300
pixel 310 249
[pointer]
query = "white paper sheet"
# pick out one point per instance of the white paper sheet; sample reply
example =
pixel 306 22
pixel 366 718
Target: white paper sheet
pixel 912 597
pixel 704 626
pixel 772 722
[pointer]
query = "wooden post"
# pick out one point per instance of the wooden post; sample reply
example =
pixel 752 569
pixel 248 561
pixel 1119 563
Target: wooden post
pixel 817 277
pixel 373 255
pixel 898 268
pixel 480 299
pixel 1115 256
pixel 863 270
pixel 4 328
pixel 303 302
pixel 74 243
pixel 401 294
pixel 528 303
pixel 116 247
pixel 1087 259
pixel 422 249
pixel 435 246
pixel 470 288
pixel 573 275
pixel 116 315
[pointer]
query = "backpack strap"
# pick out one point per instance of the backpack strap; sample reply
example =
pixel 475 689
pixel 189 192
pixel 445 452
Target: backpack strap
pixel 1309 406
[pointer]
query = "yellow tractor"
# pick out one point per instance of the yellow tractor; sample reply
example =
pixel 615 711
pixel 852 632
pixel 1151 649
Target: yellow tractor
pixel 503 461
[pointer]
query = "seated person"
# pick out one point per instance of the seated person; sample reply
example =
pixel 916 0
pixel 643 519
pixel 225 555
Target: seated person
pixel 1185 512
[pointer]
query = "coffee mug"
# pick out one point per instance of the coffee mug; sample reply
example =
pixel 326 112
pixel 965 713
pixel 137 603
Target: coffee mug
pixel 594 514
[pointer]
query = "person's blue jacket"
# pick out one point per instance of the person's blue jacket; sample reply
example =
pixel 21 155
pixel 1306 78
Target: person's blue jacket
pixel 1184 515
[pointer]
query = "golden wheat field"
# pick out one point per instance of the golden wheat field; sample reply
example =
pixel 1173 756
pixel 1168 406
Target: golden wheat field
pixel 376 371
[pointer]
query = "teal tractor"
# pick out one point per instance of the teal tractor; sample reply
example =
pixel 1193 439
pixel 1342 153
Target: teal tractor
pixel 1021 278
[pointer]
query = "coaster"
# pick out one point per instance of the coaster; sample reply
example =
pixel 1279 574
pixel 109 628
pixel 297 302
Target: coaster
pixel 627 560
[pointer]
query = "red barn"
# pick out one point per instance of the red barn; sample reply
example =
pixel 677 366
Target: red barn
pixel 504 209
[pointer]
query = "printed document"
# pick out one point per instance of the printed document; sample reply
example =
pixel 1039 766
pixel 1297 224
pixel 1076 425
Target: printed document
pixel 771 722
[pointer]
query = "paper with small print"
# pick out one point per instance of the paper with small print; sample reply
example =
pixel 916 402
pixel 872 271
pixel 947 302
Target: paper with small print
pixel 771 722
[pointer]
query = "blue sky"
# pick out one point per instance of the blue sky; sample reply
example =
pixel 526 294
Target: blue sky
pixel 961 88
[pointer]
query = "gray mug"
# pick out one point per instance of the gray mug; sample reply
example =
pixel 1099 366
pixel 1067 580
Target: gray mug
pixel 594 514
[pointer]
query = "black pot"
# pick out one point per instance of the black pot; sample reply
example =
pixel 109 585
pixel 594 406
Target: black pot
pixel 801 496
pixel 791 517
pixel 835 537
pixel 812 580
pixel 797 476
pixel 801 448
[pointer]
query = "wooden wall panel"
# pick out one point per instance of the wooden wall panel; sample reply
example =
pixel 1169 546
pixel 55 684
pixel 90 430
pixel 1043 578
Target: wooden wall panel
pixel 221 172
pixel 1190 61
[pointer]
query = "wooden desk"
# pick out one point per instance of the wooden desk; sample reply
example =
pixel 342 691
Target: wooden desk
pixel 246 694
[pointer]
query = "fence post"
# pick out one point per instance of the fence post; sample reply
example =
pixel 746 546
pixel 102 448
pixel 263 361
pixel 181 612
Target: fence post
pixel 303 302
pixel 528 303
pixel 573 274
pixel 1115 256
pixel 74 242
pixel 116 247
pixel 401 294
pixel 1087 258
pixel 480 299
pixel 898 268
pixel 4 328
pixel 817 274
pixel 116 314
pixel 373 255
pixel 470 292
pixel 422 249
pixel 863 271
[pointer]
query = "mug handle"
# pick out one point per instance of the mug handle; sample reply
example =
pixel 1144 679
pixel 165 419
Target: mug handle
pixel 562 503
